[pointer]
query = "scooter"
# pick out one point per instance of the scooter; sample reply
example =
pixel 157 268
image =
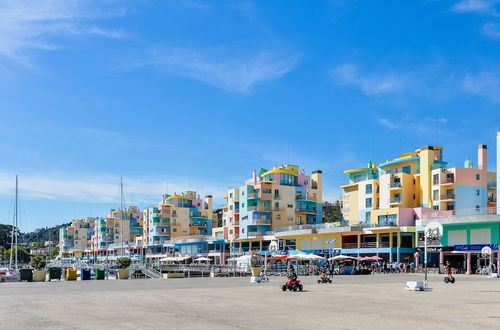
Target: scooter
pixel 292 285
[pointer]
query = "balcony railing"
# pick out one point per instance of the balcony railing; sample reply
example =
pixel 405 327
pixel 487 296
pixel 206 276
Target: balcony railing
pixel 254 195
pixel 256 233
pixel 395 185
pixel 395 200
pixel 305 210
pixel 259 208
pixel 350 245
pixel 448 180
pixel 448 196
pixel 368 245
pixel 260 222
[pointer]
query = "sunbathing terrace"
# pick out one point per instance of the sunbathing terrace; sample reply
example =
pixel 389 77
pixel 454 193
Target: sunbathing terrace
pixel 353 302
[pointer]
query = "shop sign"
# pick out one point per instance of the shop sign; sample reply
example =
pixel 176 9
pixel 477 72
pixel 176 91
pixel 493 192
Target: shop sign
pixel 475 247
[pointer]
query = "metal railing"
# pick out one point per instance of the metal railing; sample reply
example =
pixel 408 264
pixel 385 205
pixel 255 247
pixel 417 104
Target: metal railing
pixel 350 245
pixel 447 196
pixel 395 200
pixel 394 185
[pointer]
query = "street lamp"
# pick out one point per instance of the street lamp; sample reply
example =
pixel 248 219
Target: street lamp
pixel 331 243
pixel 273 247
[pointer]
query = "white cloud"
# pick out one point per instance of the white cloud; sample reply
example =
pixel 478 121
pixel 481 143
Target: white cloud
pixel 80 187
pixel 492 30
pixel 388 123
pixel 470 6
pixel 486 85
pixel 370 84
pixel 32 24
pixel 223 68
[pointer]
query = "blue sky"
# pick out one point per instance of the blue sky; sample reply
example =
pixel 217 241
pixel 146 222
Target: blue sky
pixel 174 95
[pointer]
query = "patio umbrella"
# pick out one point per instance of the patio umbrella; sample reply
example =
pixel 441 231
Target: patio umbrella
pixel 359 258
pixel 340 257
pixel 314 257
pixel 375 258
pixel 203 259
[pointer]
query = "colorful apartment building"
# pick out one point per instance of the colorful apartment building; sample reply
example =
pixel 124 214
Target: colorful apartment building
pixel 388 194
pixel 77 236
pixel 178 215
pixel 120 227
pixel 282 197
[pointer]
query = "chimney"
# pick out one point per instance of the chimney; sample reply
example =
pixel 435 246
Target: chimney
pixel 482 157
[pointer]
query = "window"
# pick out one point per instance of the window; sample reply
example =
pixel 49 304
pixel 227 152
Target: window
pixel 477 208
pixel 276 193
pixel 478 176
pixel 231 231
pixel 435 179
pixel 435 195
pixel 242 204
pixel 368 202
pixel 290 206
pixel 436 207
pixel 230 207
pixel 242 193
pixel 231 219
pixel 243 230
pixel 477 192
pixel 414 197
pixel 175 230
pixel 407 169
pixel 231 195
pixel 367 216
pixel 368 189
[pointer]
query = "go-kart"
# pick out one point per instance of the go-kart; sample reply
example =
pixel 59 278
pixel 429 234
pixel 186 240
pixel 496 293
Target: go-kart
pixel 325 280
pixel 449 279
pixel 292 285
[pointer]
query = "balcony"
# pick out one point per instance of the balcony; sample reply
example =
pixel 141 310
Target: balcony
pixel 448 180
pixel 492 200
pixel 198 224
pixel 259 208
pixel 395 185
pixel 447 196
pixel 395 201
pixel 260 222
pixel 350 245
pixel 306 210
pixel 368 245
pixel 254 195
pixel 255 233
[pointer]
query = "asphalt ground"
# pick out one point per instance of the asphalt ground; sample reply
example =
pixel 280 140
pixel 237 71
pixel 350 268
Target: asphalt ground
pixel 351 302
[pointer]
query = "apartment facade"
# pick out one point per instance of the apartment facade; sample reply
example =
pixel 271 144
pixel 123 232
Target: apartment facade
pixel 282 197
pixel 391 193
pixel 77 236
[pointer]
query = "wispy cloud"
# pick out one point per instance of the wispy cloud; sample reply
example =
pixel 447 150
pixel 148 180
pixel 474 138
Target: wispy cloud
pixel 370 84
pixel 486 85
pixel 223 68
pixel 475 6
pixel 100 188
pixel 387 123
pixel 492 30
pixel 32 24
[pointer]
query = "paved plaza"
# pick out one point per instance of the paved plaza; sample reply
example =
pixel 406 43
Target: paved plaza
pixel 352 302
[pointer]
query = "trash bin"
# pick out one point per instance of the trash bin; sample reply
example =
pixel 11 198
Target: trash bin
pixel 26 274
pixel 55 273
pixel 70 274
pixel 99 274
pixel 85 274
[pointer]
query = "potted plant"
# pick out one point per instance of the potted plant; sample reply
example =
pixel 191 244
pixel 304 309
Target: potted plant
pixel 123 271
pixel 255 265
pixel 39 273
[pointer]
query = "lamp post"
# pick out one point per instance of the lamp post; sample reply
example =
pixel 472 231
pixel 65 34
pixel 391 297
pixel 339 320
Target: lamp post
pixel 273 247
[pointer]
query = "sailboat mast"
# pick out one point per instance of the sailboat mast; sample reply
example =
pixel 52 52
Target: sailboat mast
pixel 16 219
pixel 122 210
